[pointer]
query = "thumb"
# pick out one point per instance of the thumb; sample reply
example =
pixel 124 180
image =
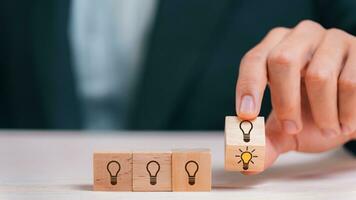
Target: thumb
pixel 271 155
pixel 276 143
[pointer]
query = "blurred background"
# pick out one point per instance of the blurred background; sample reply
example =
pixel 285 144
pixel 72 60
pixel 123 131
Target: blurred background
pixel 136 64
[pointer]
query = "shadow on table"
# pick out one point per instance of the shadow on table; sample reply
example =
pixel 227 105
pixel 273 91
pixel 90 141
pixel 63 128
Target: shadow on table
pixel 84 187
pixel 320 169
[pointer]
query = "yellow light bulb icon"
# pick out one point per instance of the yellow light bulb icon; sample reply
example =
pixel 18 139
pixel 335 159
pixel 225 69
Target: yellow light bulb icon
pixel 191 167
pixel 153 168
pixel 246 158
pixel 113 168
pixel 246 127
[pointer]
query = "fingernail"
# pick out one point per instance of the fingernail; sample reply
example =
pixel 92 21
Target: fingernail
pixel 289 126
pixel 345 129
pixel 329 133
pixel 247 105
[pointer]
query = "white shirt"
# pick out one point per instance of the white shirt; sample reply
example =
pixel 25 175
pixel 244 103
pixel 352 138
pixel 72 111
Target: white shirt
pixel 108 42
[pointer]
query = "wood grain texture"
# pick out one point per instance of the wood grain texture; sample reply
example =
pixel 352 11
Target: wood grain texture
pixel 191 170
pixel 244 144
pixel 112 171
pixel 152 171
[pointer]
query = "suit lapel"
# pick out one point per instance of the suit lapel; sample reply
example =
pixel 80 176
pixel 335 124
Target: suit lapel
pixel 53 67
pixel 181 34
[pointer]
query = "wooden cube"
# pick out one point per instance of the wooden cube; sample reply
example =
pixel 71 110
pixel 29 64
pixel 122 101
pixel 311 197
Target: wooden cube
pixel 244 144
pixel 191 170
pixel 112 171
pixel 152 171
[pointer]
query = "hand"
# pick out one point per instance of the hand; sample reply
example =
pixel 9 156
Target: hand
pixel 311 72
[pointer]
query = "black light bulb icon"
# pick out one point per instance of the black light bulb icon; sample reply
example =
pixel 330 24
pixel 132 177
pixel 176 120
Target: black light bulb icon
pixel 113 168
pixel 246 127
pixel 153 168
pixel 191 167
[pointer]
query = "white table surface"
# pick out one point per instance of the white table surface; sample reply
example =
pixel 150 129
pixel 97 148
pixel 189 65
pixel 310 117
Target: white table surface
pixel 58 165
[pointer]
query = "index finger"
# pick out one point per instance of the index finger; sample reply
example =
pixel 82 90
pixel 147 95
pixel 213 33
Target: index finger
pixel 252 78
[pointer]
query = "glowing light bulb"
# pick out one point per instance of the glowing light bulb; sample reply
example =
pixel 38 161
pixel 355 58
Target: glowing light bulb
pixel 153 168
pixel 191 167
pixel 246 127
pixel 246 158
pixel 113 168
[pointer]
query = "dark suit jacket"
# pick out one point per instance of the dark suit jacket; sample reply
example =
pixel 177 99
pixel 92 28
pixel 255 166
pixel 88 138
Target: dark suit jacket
pixel 189 75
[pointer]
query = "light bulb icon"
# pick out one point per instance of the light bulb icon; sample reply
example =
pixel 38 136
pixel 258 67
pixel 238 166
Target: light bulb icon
pixel 113 168
pixel 246 127
pixel 246 158
pixel 191 167
pixel 153 168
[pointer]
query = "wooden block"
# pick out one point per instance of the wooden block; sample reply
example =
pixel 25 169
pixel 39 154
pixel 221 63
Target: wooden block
pixel 152 171
pixel 191 170
pixel 244 144
pixel 112 171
